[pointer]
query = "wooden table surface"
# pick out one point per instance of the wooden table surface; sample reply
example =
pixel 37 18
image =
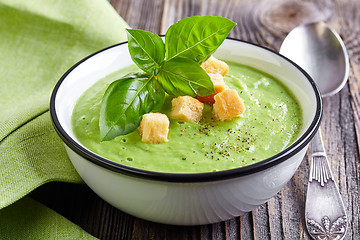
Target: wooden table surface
pixel 265 23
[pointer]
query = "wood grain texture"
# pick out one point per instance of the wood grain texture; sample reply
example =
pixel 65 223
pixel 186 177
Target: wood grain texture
pixel 265 23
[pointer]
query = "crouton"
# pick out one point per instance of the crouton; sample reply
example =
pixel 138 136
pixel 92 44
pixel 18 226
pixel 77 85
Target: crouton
pixel 154 128
pixel 213 65
pixel 218 81
pixel 186 108
pixel 219 85
pixel 228 105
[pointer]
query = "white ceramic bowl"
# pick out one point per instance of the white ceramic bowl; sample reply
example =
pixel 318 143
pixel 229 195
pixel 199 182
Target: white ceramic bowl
pixel 186 199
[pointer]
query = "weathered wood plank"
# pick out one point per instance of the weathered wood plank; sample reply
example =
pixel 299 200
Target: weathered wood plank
pixel 345 146
pixel 246 227
pixel 232 229
pixel 143 15
pixel 261 223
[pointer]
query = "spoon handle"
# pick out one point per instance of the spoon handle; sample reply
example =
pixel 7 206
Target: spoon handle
pixel 325 213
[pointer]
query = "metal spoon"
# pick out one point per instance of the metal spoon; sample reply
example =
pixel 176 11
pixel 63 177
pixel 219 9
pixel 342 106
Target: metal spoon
pixel 320 51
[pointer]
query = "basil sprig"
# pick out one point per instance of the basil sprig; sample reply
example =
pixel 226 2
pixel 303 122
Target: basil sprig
pixel 197 37
pixel 188 43
pixel 182 76
pixel 125 101
pixel 147 50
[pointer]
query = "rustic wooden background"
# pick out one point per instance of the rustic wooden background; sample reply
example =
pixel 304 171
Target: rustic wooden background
pixel 265 23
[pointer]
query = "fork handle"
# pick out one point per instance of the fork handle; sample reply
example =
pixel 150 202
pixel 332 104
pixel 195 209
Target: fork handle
pixel 325 214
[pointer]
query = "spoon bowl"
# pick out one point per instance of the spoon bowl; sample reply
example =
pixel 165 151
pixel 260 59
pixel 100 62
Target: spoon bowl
pixel 320 51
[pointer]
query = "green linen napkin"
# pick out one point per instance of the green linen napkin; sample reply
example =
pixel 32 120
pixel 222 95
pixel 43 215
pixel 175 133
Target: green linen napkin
pixel 39 222
pixel 39 41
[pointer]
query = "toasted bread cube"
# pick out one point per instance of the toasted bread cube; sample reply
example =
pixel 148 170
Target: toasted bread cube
pixel 186 108
pixel 219 85
pixel 154 128
pixel 213 65
pixel 228 105
pixel 218 81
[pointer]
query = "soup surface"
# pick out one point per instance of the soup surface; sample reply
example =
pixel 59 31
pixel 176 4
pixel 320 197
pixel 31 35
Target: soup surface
pixel 271 122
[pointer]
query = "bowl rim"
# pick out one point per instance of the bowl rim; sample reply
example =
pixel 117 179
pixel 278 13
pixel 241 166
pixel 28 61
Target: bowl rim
pixel 290 151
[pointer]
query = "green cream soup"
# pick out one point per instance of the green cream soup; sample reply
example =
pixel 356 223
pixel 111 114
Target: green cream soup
pixel 271 121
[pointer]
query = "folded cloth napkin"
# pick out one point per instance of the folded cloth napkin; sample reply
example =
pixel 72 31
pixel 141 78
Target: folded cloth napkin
pixel 39 41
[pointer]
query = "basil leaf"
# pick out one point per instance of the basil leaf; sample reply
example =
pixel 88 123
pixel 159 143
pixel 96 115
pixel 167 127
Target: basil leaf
pixel 196 37
pixel 125 101
pixel 147 50
pixel 181 76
